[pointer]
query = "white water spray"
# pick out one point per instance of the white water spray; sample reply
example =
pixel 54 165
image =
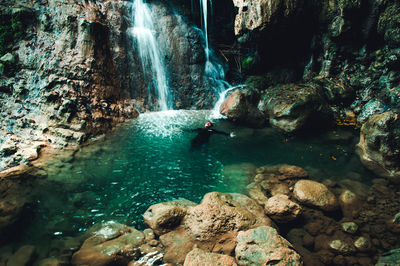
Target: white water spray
pixel 150 55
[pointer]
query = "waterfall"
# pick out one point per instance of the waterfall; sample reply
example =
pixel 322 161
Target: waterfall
pixel 150 54
pixel 204 16
pixel 213 69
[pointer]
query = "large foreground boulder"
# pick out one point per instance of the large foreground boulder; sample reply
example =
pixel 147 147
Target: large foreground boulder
pixel 379 146
pixel 264 246
pixel 220 213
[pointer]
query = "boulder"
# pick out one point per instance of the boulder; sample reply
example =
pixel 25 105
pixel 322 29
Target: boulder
pixel 198 257
pixel 164 217
pixel 292 107
pixel 110 243
pixel 178 243
pixel 281 209
pixel 315 194
pixel 219 213
pixel 379 146
pixel 241 107
pixel 264 246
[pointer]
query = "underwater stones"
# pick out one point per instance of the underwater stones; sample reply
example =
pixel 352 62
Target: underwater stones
pixel 241 107
pixel 263 245
pixel 164 217
pixel 198 257
pixel 362 243
pixel 219 213
pixel 349 203
pixel 281 209
pixel 238 175
pixel 112 243
pixel 315 194
pixel 350 227
pixel 292 107
pixel 24 256
pixel 340 246
pixel 292 171
pixel 379 146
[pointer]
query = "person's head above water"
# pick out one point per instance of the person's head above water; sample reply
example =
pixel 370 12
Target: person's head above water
pixel 208 124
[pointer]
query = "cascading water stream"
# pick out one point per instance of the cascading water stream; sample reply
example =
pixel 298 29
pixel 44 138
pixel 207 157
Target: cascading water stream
pixel 213 70
pixel 150 54
pixel 204 15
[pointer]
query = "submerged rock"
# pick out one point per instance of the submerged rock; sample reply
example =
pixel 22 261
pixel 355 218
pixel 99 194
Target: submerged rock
pixel 263 246
pixel 350 227
pixel 349 203
pixel 198 257
pixel 315 194
pixel 362 243
pixel 379 146
pixel 341 246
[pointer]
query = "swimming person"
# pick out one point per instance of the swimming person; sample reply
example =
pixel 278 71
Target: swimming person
pixel 203 136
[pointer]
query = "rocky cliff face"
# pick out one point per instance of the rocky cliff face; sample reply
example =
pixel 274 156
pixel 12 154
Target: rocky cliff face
pixel 60 81
pixel 69 71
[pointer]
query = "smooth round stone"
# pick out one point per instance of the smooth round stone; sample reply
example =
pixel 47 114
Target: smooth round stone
pixel 315 194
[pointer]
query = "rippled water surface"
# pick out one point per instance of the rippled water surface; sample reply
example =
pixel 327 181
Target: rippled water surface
pixel 149 161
